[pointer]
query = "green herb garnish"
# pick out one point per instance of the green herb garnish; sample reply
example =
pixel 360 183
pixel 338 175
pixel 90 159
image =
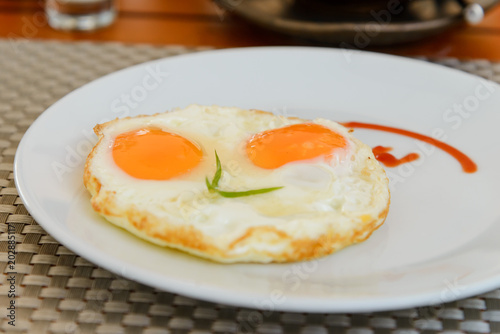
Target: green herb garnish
pixel 214 185
pixel 218 172
pixel 233 194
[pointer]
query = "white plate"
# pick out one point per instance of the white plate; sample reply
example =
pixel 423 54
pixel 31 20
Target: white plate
pixel 440 240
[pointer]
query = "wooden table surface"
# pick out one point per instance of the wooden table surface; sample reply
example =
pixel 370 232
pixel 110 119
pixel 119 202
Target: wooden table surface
pixel 201 22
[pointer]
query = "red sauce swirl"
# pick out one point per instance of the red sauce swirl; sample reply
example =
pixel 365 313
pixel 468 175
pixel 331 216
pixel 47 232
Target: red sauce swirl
pixel 468 165
pixel 382 155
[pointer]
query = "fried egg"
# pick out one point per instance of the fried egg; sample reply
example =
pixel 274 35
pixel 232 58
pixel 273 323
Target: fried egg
pixel 154 176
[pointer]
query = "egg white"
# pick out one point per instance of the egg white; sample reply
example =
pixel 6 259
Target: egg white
pixel 316 196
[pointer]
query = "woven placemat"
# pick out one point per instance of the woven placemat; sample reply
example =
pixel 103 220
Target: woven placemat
pixel 60 292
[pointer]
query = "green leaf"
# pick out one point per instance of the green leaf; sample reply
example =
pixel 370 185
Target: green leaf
pixel 233 194
pixel 218 172
pixel 209 185
pixel 213 186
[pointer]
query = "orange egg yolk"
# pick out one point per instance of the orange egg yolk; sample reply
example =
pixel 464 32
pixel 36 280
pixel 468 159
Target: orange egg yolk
pixel 274 148
pixel 153 154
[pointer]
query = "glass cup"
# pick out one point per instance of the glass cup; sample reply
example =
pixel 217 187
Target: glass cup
pixel 80 14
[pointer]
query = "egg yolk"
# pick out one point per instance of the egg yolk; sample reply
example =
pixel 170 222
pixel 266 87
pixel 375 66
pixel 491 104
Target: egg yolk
pixel 274 148
pixel 153 154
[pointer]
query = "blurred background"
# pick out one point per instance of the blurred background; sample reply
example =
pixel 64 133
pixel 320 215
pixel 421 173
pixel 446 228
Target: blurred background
pixel 432 28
